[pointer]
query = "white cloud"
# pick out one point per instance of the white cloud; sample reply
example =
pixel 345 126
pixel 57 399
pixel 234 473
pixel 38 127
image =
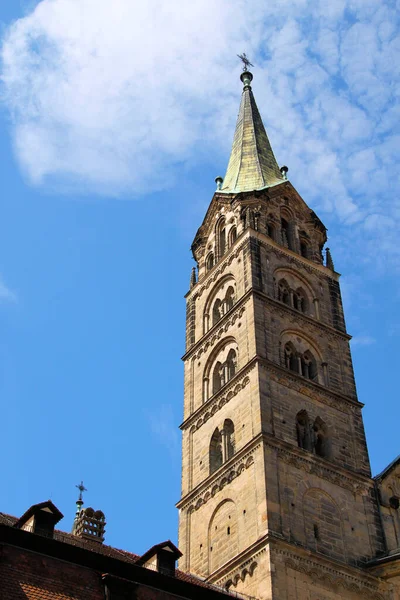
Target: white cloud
pixel 5 293
pixel 362 340
pixel 114 98
pixel 164 429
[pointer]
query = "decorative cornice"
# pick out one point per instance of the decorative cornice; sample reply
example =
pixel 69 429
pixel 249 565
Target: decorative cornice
pixel 294 258
pixel 310 388
pixel 222 397
pixel 330 577
pixel 297 317
pixel 241 562
pixel 214 334
pixel 312 465
pixel 209 278
pixel 206 490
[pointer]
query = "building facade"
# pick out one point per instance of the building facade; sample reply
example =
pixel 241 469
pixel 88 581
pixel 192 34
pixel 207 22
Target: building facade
pixel 39 562
pixel 277 499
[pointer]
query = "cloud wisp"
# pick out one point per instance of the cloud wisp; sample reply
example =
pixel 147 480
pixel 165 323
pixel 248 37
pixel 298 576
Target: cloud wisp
pixel 114 99
pixel 6 294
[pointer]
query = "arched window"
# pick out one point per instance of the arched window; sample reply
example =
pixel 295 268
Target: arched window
pixel 271 231
pixel 322 445
pixel 218 377
pixel 291 360
pixel 231 365
pixel 217 311
pixel 229 298
pixel 229 431
pixel 309 366
pixel 303 430
pixel 300 301
pixel 221 236
pixel 285 233
pixel 232 236
pixel 283 292
pixel 210 261
pixel 304 249
pixel 215 451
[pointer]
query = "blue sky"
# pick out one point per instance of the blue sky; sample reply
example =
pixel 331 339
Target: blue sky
pixel 114 123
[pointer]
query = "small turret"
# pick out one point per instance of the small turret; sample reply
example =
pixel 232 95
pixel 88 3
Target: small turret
pixel 193 278
pixel 329 261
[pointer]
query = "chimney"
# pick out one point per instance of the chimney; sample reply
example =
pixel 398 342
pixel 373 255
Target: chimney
pixel 90 525
pixel 40 518
pixel 161 558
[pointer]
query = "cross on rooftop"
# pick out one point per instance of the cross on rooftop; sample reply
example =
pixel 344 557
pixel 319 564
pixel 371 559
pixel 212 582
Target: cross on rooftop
pixel 245 61
pixel 81 489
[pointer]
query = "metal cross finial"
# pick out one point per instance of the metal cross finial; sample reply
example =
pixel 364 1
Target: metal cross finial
pixel 81 489
pixel 245 61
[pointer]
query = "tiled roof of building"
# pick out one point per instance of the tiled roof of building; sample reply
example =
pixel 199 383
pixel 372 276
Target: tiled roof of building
pixel 32 592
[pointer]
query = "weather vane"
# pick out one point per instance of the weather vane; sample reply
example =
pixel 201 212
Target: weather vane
pixel 245 61
pixel 81 489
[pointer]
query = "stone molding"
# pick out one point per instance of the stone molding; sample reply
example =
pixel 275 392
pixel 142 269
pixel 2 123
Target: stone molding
pixel 222 397
pixel 309 465
pixel 292 258
pixel 219 268
pixel 329 576
pixel 305 320
pixel 240 573
pixel 311 389
pixel 221 330
pixel 233 569
pixel 214 334
pixel 231 470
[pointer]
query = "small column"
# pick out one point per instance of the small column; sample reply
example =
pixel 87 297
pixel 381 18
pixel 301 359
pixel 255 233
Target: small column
pixel 291 298
pixel 316 308
pixel 206 390
pixel 224 446
pixel 325 373
pixel 299 363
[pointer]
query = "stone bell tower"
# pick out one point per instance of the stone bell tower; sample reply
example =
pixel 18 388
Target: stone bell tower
pixel 277 496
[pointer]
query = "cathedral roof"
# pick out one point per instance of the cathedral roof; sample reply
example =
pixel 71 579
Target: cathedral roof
pixel 252 164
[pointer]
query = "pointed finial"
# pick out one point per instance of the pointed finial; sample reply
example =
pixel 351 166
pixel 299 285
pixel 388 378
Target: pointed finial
pixel 193 278
pixel 246 77
pixel 79 504
pixel 219 181
pixel 329 261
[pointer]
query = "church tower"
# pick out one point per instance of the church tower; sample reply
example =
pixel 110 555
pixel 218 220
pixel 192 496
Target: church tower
pixel 277 496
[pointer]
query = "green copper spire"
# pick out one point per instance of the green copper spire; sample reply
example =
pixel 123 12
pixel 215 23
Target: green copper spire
pixel 252 164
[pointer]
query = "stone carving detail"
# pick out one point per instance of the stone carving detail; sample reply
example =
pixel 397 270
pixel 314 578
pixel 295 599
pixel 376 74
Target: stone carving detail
pixel 304 322
pixel 308 389
pixel 299 264
pixel 235 575
pixel 224 479
pixel 241 574
pixel 224 264
pixel 311 468
pixel 214 405
pixel 220 332
pixel 331 578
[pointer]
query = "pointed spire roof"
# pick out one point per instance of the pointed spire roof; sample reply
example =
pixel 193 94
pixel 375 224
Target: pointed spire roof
pixel 252 164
